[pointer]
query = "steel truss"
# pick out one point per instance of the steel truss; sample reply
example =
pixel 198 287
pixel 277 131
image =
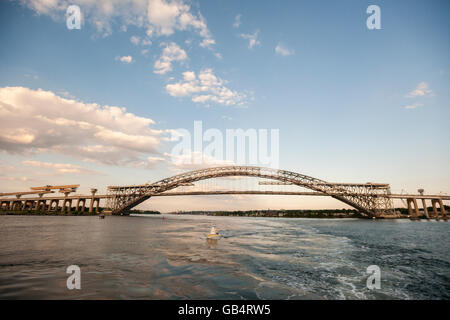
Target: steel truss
pixel 371 199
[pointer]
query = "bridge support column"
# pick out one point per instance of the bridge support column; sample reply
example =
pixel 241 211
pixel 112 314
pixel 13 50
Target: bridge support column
pixel 38 202
pixel 56 206
pixel 413 214
pixel 434 203
pixel 443 213
pixel 97 207
pixel 83 206
pixel 425 209
pixel 77 207
pixel 43 206
pixel 91 204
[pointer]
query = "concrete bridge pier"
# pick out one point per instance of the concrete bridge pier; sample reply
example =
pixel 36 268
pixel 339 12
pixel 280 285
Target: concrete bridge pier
pixel 424 205
pixel 50 207
pixel 83 206
pixel 413 214
pixel 91 204
pixel 17 205
pixel 94 205
pixel 27 204
pixel 442 212
pixel 425 209
pixel 68 206
pixel 5 205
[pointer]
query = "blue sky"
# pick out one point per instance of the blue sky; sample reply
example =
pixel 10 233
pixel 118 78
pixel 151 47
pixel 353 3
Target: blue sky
pixel 351 104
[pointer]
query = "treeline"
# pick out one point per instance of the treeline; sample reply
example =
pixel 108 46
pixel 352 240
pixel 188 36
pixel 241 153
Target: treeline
pixel 136 211
pixel 327 213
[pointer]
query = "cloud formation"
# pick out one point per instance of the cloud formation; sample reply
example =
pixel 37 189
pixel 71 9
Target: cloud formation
pixel 158 17
pixel 36 121
pixel 283 51
pixel 125 59
pixel 413 106
pixel 61 168
pixel 252 39
pixel 172 52
pixel 205 88
pixel 421 90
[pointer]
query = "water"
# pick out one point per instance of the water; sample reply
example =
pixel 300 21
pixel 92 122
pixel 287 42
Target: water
pixel 257 258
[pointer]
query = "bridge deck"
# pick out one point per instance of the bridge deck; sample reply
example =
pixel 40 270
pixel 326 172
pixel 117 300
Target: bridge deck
pixel 249 192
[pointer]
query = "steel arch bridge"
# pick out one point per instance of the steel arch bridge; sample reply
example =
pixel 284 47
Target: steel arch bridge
pixel 371 199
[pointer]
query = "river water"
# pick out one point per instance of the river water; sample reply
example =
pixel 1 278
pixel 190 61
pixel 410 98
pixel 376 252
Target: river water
pixel 148 257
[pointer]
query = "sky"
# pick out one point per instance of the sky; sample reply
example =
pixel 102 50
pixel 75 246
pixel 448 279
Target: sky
pixel 100 105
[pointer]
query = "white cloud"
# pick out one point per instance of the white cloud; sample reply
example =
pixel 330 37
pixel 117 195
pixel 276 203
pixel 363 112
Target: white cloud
pixel 172 52
pixel 421 90
pixel 158 17
pixel 252 39
pixel 283 51
pixel 149 162
pixel 237 21
pixel 135 40
pixel 205 88
pixel 62 168
pixel 413 106
pixel 37 121
pixel 138 41
pixel 125 59
pixel 207 43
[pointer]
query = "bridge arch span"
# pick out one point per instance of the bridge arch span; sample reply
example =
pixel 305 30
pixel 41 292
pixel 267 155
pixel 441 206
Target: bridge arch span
pixel 364 201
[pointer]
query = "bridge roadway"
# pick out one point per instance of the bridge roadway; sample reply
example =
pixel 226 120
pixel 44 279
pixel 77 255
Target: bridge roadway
pixel 40 203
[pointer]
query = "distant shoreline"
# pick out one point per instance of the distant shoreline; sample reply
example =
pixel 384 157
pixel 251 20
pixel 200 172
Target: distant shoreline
pixel 307 213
